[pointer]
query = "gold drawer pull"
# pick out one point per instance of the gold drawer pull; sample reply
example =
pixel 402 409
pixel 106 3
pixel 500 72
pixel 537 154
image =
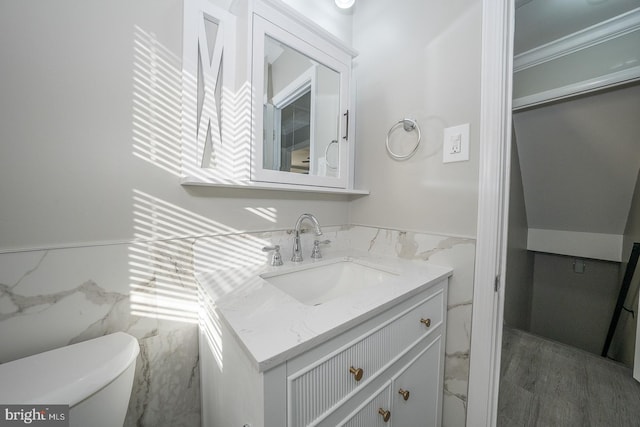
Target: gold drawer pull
pixel 427 322
pixel 357 373
pixel 404 393
pixel 385 414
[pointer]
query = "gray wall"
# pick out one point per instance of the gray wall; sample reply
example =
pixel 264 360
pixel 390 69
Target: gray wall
pixel 570 307
pixel 519 275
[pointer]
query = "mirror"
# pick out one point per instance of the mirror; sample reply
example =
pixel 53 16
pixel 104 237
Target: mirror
pixel 300 91
pixel 301 112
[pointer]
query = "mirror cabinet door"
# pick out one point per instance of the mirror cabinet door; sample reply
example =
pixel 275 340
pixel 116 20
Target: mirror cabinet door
pixel 300 97
pixel 209 98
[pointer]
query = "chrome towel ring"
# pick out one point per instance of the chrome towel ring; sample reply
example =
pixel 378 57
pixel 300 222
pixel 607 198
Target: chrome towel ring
pixel 408 125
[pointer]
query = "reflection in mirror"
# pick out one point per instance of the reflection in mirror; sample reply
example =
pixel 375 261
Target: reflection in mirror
pixel 301 112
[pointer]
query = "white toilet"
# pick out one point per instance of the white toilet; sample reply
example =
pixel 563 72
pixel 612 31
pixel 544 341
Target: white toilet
pixel 93 377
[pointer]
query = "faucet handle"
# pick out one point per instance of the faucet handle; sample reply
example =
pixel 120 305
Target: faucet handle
pixel 276 260
pixel 315 253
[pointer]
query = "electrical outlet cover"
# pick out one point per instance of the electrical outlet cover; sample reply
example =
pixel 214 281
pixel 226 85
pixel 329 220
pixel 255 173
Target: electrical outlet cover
pixel 455 147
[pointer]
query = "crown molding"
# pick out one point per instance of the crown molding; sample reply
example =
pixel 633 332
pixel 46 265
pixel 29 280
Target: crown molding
pixel 606 81
pixel 607 30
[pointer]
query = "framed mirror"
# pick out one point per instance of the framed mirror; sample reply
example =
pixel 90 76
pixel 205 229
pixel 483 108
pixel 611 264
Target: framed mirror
pixel 300 97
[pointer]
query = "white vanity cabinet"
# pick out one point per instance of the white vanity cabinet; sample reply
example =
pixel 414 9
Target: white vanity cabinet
pixel 413 397
pixel 359 377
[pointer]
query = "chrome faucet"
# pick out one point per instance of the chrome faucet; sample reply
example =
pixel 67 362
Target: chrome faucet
pixel 297 250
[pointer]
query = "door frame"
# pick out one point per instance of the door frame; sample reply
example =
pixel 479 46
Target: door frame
pixel 493 204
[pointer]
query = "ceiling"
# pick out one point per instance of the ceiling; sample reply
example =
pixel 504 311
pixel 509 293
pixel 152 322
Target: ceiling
pixel 579 160
pixel 579 157
pixel 541 21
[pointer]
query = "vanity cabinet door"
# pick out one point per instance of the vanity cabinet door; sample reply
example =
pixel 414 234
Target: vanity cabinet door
pixel 417 389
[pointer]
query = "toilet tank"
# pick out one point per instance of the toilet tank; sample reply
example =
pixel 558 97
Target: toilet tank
pixel 76 375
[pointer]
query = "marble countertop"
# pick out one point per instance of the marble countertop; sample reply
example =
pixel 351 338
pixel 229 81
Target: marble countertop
pixel 272 326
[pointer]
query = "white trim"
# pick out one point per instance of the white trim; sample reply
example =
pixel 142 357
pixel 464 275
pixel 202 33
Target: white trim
pixel 495 135
pixel 292 14
pixel 260 185
pixel 303 83
pixel 585 86
pixel 599 33
pixel 606 247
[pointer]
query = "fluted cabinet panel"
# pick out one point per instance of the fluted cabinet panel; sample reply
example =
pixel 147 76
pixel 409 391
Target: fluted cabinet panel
pixel 318 388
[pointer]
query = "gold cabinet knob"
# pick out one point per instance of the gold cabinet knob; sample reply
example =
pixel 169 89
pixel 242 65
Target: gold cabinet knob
pixel 404 393
pixel 357 373
pixel 386 415
pixel 426 322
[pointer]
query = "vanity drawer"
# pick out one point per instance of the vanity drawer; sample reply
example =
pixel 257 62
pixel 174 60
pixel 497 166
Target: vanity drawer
pixel 317 388
pixel 374 413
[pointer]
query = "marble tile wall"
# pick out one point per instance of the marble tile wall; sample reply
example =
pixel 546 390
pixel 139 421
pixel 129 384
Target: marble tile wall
pixel 51 298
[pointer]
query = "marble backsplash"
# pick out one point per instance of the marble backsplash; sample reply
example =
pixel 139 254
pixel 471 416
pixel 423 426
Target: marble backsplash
pixel 51 298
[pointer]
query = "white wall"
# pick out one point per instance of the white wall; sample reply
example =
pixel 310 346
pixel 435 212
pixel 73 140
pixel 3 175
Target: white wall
pixel 76 107
pixel 422 61
pixel 519 275
pixel 337 21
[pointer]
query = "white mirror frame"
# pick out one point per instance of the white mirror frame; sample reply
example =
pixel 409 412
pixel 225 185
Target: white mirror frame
pixel 269 22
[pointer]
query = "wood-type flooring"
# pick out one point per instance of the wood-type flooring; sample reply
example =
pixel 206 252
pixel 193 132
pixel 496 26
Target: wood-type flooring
pixel 548 384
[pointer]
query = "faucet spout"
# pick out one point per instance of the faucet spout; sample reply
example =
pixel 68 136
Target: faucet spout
pixel 297 250
pixel 312 219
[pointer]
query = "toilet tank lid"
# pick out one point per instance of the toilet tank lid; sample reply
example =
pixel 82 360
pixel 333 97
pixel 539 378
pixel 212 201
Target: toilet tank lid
pixel 67 375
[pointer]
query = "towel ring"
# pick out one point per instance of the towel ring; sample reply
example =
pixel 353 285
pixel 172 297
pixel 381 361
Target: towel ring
pixel 326 155
pixel 408 125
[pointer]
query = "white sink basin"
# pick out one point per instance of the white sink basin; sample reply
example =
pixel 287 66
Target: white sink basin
pixel 317 284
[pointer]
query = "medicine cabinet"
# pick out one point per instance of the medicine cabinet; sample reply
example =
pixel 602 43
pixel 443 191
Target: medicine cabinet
pixel 300 86
pixel 296 101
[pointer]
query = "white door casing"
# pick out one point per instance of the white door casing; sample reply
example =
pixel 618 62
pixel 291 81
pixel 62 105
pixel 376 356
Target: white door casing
pixel 495 136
